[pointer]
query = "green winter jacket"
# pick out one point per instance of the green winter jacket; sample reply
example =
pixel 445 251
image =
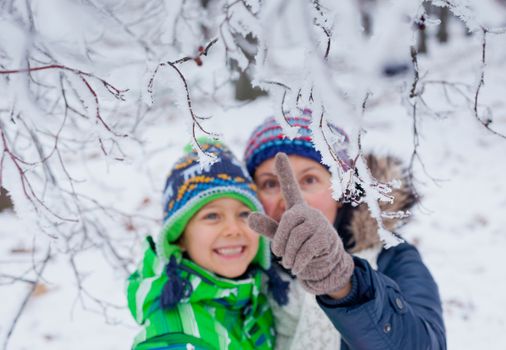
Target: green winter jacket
pixel 219 313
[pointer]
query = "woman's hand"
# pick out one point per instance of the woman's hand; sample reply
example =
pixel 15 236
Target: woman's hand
pixel 305 240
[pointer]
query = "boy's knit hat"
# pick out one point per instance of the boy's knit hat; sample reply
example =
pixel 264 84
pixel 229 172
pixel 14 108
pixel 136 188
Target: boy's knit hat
pixel 268 139
pixel 189 187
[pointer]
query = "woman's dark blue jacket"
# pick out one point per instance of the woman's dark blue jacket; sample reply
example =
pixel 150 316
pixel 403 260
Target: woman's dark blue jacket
pixel 395 307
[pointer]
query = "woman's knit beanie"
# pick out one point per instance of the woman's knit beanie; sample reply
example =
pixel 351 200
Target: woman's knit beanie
pixel 268 139
pixel 189 187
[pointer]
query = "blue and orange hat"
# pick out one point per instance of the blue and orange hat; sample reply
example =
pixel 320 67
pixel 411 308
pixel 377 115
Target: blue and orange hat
pixel 268 139
pixel 189 187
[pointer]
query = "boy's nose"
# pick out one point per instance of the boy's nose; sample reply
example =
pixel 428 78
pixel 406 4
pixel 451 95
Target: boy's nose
pixel 232 227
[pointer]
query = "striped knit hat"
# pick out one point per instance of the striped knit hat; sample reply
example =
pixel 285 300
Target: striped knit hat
pixel 268 139
pixel 189 187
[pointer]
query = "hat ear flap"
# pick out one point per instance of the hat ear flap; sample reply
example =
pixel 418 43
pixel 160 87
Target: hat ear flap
pixel 176 288
pixel 277 286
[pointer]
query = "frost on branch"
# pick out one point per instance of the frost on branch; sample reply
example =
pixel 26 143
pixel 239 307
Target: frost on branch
pixel 76 103
pixel 315 76
pixel 65 121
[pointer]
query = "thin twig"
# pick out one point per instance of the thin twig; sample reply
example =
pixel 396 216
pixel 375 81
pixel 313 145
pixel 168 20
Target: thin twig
pixel 82 292
pixel 201 53
pixel 173 64
pixel 327 51
pixel 25 300
pixel 364 107
pixel 26 185
pixel 336 158
pixel 415 155
pixel 483 121
pixel 117 93
pixel 414 60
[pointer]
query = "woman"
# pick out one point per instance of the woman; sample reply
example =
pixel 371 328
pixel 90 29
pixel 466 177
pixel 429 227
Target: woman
pixel 376 298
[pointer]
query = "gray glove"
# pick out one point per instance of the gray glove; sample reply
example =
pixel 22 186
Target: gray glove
pixel 304 239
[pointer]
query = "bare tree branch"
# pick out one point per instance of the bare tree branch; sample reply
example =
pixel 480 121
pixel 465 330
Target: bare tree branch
pixel 486 122
pixel 414 59
pixel 25 300
pixel 117 93
pixel 196 120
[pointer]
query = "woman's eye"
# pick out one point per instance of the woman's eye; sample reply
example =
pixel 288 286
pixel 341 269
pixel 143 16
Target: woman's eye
pixel 269 184
pixel 309 180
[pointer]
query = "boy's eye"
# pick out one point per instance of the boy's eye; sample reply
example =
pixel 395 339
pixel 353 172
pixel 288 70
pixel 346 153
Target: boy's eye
pixel 210 216
pixel 244 214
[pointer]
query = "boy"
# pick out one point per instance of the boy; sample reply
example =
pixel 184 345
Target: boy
pixel 200 285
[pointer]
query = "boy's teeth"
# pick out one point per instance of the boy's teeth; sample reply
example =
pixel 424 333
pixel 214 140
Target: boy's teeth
pixel 229 251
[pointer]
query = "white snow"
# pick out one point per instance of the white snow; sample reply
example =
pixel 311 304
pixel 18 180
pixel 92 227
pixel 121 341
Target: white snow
pixel 459 230
pixel 460 226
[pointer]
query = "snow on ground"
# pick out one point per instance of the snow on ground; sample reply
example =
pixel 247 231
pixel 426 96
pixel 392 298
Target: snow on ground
pixel 459 227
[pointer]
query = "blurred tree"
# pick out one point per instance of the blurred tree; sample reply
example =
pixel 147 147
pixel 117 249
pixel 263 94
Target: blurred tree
pixel 5 201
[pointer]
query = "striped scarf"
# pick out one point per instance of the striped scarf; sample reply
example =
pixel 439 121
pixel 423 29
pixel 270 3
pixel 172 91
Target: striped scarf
pixel 218 313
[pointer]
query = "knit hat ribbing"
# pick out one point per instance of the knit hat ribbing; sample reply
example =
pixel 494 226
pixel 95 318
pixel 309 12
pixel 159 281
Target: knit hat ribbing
pixel 188 188
pixel 268 139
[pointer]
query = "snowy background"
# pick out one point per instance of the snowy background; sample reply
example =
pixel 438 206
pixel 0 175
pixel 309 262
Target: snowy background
pixel 459 226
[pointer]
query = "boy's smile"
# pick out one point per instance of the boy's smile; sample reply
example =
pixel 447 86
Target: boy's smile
pixel 230 252
pixel 218 238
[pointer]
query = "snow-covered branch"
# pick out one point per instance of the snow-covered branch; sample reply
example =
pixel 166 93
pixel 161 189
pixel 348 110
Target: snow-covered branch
pixel 84 91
